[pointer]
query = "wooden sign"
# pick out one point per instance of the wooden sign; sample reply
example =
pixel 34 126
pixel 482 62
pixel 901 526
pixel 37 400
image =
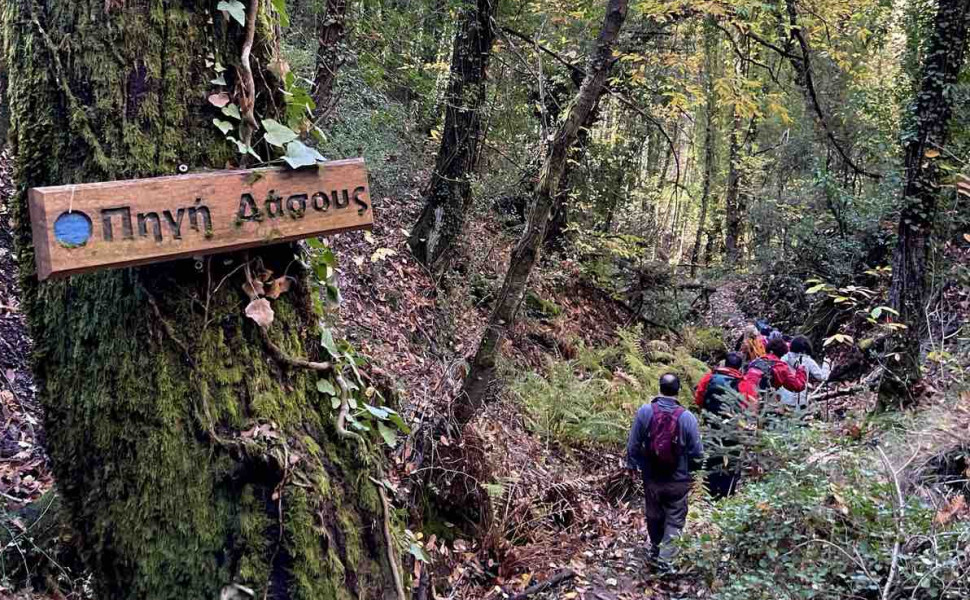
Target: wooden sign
pixel 85 227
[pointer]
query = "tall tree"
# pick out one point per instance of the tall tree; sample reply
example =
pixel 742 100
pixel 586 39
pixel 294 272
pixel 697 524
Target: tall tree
pixel 331 52
pixel 710 113
pixel 192 451
pixel 526 253
pixel 449 193
pixel 944 58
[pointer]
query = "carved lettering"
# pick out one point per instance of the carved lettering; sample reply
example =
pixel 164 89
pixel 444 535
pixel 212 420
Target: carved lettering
pixel 151 217
pixel 296 205
pixel 274 205
pixel 195 212
pixel 248 210
pixel 359 200
pixel 341 201
pixel 321 201
pixel 126 231
pixel 175 223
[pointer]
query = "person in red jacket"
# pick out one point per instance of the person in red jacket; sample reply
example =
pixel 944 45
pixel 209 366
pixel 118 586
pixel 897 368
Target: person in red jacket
pixel 712 386
pixel 770 373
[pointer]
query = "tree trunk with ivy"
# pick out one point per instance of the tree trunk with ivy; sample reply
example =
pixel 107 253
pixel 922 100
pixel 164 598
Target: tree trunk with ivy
pixel 331 52
pixel 449 193
pixel 908 292
pixel 192 459
pixel 526 253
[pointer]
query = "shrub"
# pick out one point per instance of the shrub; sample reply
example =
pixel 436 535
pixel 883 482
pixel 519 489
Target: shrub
pixel 825 526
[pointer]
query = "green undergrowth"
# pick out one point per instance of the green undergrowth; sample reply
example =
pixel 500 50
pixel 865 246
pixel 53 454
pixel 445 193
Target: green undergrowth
pixel 593 397
pixel 823 522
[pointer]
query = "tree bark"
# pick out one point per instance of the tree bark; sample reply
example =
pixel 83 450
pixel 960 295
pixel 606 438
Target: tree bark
pixel 331 51
pixel 710 40
pixel 149 376
pixel 945 54
pixel 732 197
pixel 526 253
pixel 449 193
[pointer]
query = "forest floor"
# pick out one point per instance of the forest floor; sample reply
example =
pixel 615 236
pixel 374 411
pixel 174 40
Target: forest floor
pixel 556 509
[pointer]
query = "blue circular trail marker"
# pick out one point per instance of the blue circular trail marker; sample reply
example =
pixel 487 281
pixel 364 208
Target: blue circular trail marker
pixel 72 229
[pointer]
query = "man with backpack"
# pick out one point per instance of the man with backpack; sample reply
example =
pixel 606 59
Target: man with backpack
pixel 665 445
pixel 713 394
pixel 770 373
pixel 710 392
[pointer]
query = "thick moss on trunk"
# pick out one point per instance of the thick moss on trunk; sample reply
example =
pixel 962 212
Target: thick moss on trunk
pixel 187 458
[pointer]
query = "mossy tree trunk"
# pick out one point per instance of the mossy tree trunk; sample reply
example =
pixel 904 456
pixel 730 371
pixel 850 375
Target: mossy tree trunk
pixel 331 52
pixel 449 193
pixel 188 459
pixel 945 54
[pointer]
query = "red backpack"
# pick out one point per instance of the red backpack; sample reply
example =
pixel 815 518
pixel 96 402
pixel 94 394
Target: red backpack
pixel 663 450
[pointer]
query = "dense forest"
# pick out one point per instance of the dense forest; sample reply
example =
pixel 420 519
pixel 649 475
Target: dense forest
pixel 572 202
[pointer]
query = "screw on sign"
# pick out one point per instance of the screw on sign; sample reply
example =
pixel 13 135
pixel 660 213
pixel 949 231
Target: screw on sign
pixel 86 227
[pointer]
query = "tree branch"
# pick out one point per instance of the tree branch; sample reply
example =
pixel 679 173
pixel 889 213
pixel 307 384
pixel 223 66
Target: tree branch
pixel 805 67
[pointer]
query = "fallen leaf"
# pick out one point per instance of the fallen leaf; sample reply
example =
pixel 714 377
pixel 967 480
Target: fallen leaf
pixel 255 289
pixel 219 100
pixel 955 509
pixel 278 286
pixel 260 311
pixel 381 254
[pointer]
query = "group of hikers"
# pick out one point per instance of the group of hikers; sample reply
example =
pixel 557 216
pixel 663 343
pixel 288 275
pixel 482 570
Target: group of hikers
pixel 665 441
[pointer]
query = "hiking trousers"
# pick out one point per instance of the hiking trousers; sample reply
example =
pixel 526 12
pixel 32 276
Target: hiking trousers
pixel 666 511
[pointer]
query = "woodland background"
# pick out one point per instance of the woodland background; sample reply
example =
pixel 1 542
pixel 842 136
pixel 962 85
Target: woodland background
pixel 572 198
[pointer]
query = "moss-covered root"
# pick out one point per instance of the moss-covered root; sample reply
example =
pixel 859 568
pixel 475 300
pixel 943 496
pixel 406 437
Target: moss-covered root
pixel 188 458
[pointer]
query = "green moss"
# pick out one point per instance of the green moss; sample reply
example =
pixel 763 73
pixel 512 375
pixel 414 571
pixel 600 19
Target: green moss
pixel 540 307
pixel 140 431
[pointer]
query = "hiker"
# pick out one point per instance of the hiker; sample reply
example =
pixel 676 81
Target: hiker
pixel 709 394
pixel 753 346
pixel 771 373
pixel 665 445
pixel 723 472
pixel 776 334
pixel 800 355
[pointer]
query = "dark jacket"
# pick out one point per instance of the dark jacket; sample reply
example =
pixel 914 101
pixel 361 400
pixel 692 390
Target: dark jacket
pixel 690 441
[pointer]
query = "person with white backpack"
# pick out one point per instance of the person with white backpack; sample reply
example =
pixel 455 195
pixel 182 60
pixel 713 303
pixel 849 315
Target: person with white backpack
pixel 800 355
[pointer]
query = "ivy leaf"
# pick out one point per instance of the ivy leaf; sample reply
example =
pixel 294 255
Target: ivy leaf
pixel 218 68
pixel 418 553
pixel 278 134
pixel 326 340
pixel 280 7
pixel 220 80
pixel 224 126
pixel 325 387
pixel 235 8
pixel 399 422
pixel 231 110
pixel 377 411
pixel 334 402
pixel 299 155
pixel 390 438
pixel 243 148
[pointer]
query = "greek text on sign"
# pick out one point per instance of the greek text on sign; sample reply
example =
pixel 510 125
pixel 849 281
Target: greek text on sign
pixel 85 227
